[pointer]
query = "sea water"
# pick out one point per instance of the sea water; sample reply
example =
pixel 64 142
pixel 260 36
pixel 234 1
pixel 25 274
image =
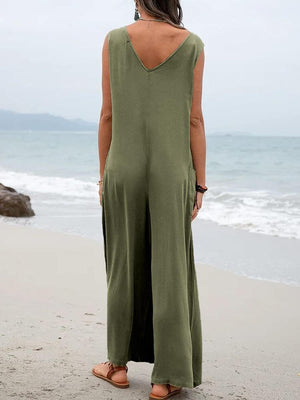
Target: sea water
pixel 253 181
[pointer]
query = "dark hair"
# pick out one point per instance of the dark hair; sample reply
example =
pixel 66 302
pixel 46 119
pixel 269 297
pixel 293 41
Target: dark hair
pixel 168 10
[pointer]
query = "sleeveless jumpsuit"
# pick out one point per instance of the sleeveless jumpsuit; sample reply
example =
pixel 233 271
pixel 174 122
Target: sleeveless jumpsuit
pixel 148 196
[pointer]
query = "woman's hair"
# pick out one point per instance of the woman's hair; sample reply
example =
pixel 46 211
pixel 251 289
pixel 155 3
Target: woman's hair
pixel 168 10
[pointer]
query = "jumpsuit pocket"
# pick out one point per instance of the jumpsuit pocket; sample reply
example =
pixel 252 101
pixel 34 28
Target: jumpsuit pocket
pixel 105 172
pixel 103 179
pixel 192 187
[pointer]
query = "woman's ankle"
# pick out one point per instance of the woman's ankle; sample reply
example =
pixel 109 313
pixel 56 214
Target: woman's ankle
pixel 117 365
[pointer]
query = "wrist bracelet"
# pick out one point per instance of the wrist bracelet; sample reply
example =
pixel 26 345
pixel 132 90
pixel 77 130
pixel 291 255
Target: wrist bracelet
pixel 99 181
pixel 201 189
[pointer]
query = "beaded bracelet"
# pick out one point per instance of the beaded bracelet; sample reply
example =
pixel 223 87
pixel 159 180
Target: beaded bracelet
pixel 201 189
pixel 101 180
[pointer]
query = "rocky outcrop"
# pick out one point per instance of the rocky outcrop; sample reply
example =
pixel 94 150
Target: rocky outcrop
pixel 14 204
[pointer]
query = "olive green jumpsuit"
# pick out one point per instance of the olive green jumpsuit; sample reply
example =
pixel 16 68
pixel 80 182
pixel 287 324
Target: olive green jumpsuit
pixel 148 196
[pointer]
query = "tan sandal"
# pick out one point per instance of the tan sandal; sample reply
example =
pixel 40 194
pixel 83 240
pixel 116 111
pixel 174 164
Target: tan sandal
pixel 112 369
pixel 169 394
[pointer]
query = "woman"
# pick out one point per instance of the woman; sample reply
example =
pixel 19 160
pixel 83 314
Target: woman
pixel 152 163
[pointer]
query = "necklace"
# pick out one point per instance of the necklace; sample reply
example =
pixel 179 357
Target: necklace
pixel 157 20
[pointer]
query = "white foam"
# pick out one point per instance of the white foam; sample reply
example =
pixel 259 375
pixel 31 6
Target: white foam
pixel 66 187
pixel 255 211
pixel 258 211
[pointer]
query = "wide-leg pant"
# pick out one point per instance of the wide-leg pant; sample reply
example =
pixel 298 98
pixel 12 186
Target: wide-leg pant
pixel 153 312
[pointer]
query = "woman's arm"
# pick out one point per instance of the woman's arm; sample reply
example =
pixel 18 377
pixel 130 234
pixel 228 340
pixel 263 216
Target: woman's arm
pixel 105 122
pixel 197 129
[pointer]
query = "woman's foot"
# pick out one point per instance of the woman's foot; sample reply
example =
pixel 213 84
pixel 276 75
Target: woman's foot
pixel 105 370
pixel 162 390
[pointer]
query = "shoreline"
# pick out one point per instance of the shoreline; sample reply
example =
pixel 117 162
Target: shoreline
pixel 255 249
pixel 53 308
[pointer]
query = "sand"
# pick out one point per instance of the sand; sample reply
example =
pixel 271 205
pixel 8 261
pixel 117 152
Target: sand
pixel 53 326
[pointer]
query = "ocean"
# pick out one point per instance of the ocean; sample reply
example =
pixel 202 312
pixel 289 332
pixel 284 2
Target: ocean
pixel 253 183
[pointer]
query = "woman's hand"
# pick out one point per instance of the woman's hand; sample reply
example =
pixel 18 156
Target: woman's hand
pixel 100 193
pixel 197 204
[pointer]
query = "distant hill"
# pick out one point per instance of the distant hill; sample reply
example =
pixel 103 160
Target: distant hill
pixel 232 133
pixel 10 120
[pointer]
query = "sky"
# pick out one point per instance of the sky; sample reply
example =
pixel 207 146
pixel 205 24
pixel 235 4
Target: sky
pixel 51 59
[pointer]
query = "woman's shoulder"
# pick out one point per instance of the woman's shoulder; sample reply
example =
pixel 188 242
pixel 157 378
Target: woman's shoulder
pixel 196 46
pixel 116 37
pixel 114 32
pixel 197 40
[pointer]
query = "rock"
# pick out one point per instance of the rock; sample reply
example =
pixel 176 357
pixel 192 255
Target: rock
pixel 14 204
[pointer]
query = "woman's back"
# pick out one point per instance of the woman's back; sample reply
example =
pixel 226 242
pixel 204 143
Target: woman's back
pixel 151 105
pixel 155 43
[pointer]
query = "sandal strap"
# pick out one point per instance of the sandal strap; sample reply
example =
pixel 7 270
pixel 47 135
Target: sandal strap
pixel 113 369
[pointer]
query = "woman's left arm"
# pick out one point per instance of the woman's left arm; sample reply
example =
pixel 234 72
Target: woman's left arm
pixel 197 131
pixel 105 122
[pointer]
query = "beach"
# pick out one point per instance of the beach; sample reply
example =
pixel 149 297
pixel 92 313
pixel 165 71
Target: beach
pixel 53 313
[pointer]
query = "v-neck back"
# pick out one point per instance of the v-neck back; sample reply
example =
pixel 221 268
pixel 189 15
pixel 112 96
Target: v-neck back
pixel 164 61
